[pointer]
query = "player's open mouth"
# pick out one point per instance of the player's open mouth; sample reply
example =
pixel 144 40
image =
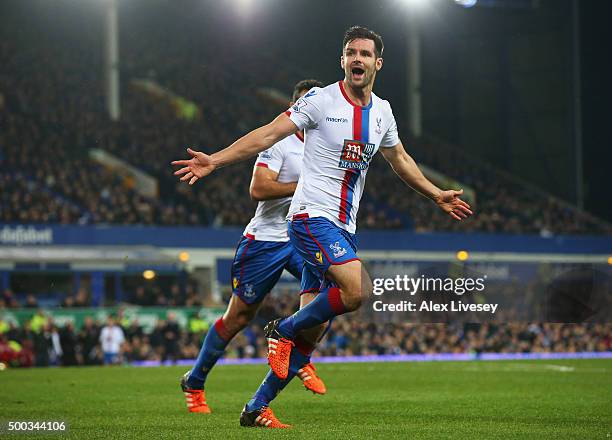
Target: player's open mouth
pixel 357 72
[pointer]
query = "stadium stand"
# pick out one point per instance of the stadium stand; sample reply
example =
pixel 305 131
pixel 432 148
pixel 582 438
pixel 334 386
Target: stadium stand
pixel 61 116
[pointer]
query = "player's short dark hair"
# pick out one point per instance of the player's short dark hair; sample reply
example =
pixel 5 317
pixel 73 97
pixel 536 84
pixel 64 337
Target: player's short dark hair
pixel 361 32
pixel 305 84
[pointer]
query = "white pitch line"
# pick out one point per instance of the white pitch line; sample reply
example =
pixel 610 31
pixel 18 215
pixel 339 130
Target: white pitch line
pixel 561 368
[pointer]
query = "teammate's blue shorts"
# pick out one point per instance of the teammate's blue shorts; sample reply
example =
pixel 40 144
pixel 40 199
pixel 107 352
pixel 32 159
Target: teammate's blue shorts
pixel 322 244
pixel 258 265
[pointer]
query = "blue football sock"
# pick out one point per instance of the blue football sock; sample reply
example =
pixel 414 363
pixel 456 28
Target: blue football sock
pixel 324 307
pixel 272 385
pixel 212 349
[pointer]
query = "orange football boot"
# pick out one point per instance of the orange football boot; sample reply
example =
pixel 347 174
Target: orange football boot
pixel 195 399
pixel 260 418
pixel 311 381
pixel 279 350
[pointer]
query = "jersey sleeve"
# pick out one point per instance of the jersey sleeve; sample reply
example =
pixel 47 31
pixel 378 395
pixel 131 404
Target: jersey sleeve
pixel 306 112
pixel 391 137
pixel 272 158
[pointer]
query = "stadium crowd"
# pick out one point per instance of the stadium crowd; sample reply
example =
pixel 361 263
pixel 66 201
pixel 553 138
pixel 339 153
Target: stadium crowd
pixel 8 300
pixel 52 117
pixel 144 293
pixel 40 342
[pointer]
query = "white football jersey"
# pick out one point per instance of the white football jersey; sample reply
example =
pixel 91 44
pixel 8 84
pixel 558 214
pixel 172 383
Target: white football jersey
pixel 285 158
pixel 340 140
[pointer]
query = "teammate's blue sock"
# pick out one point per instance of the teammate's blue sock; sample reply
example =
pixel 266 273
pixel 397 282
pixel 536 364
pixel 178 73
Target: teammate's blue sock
pixel 213 348
pixel 272 385
pixel 324 307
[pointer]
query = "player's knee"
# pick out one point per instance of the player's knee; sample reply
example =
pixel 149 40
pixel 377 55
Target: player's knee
pixel 243 319
pixel 357 294
pixel 352 298
pixel 231 325
pixel 238 321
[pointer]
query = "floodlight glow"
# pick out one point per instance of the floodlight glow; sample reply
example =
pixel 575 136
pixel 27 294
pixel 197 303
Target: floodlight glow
pixel 416 3
pixel 148 274
pixel 462 255
pixel 415 8
pixel 466 3
pixel 244 7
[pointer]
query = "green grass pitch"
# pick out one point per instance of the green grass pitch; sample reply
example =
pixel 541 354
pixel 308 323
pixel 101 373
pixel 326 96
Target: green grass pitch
pixel 453 400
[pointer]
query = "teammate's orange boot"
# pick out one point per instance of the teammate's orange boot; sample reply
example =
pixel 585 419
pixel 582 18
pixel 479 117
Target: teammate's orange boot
pixel 195 399
pixel 311 381
pixel 279 350
pixel 261 418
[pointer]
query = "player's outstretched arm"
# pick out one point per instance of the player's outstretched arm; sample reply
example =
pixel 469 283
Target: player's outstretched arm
pixel 406 168
pixel 201 164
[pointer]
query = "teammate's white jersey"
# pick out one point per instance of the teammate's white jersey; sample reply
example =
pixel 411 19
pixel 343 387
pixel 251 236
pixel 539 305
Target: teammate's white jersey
pixel 340 140
pixel 285 158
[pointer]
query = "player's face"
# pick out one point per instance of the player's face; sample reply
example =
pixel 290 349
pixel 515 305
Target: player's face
pixel 360 63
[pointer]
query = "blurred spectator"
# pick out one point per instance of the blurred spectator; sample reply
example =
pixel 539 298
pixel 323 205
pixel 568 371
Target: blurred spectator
pixel 38 321
pixel 26 355
pixel 42 346
pixel 9 299
pixel 68 301
pixel 69 341
pixel 82 298
pixel 157 337
pixel 88 340
pixel 171 333
pixel 111 338
pixel 31 302
pixel 175 298
pixel 140 297
pixel 134 330
pixel 56 352
pixel 7 354
pixel 13 332
pixel 198 325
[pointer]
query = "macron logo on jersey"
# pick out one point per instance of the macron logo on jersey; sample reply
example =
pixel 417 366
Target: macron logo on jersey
pixel 341 120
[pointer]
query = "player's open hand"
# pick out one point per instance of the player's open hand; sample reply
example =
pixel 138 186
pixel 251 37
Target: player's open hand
pixel 200 165
pixel 450 203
